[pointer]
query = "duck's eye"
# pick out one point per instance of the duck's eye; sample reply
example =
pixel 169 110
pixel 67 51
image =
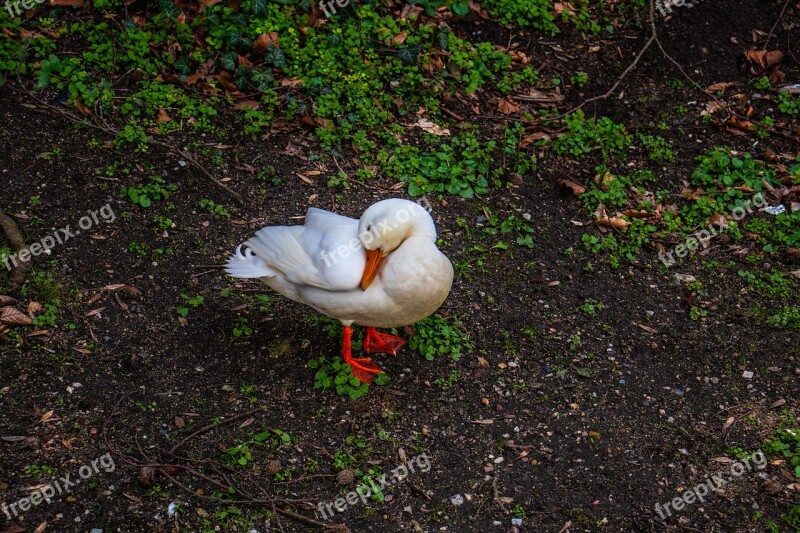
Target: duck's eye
pixel 369 227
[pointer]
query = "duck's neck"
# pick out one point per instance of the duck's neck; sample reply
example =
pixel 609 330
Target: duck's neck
pixel 422 227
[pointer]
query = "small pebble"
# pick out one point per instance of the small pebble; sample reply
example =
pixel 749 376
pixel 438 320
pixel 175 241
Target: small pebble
pixel 516 522
pixel 747 374
pixel 458 499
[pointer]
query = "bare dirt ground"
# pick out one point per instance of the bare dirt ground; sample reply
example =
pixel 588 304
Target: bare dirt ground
pixel 561 419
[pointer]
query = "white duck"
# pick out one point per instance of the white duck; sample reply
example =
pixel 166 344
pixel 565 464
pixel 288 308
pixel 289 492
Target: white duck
pixel 383 270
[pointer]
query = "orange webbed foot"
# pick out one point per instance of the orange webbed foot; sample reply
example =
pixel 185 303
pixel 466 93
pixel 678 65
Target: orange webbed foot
pixel 375 342
pixel 363 368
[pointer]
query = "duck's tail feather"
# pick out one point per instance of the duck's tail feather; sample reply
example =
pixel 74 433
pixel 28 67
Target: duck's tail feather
pixel 246 264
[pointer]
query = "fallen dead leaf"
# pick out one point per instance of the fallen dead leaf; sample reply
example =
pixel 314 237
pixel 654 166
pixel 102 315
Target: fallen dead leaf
pixel 728 423
pixel 7 300
pixel 507 107
pixel 613 222
pixel 264 41
pixel 247 104
pixel 764 58
pixel 719 87
pixel 576 188
pixel 14 317
pixel 430 127
pixel 400 38
pixel 163 117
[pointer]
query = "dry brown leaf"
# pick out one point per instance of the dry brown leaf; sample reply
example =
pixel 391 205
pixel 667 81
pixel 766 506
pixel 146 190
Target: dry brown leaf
pixel 203 4
pixel 82 107
pixel 47 416
pixel 777 403
pixel 34 307
pixel 604 180
pixel 719 87
pixel 264 41
pixel 430 127
pixel 14 317
pixel 67 3
pixel 613 222
pixel 163 117
pixel 739 124
pixel 244 61
pixel 224 79
pixel 247 104
pixel 305 179
pixel 293 82
pixel 641 213
pixel 576 188
pixel 711 108
pixel 400 38
pixel 519 57
pixel 7 300
pixel 764 58
pixel 728 423
pixel 718 220
pixel 533 137
pixel 690 194
pixel 507 107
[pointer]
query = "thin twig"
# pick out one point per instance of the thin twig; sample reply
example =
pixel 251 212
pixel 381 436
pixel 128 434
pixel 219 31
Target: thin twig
pixel 215 425
pixel 496 493
pixel 777 21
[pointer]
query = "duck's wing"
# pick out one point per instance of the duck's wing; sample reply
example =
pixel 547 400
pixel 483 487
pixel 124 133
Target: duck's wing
pixel 336 252
pixel 324 253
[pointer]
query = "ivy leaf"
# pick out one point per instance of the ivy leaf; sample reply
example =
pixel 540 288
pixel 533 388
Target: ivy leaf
pixel 228 60
pixel 276 57
pixel 233 38
pixel 443 38
pixel 168 8
pixel 258 7
pixel 408 54
pixel 240 77
pixel 183 65
pixel 262 81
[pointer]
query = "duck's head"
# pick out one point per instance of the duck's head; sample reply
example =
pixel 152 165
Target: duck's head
pixel 384 226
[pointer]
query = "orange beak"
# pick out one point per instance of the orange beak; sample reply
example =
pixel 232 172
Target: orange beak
pixel 374 259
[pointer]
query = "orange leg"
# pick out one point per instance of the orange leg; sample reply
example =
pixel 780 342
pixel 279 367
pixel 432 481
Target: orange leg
pixel 363 368
pixel 375 342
